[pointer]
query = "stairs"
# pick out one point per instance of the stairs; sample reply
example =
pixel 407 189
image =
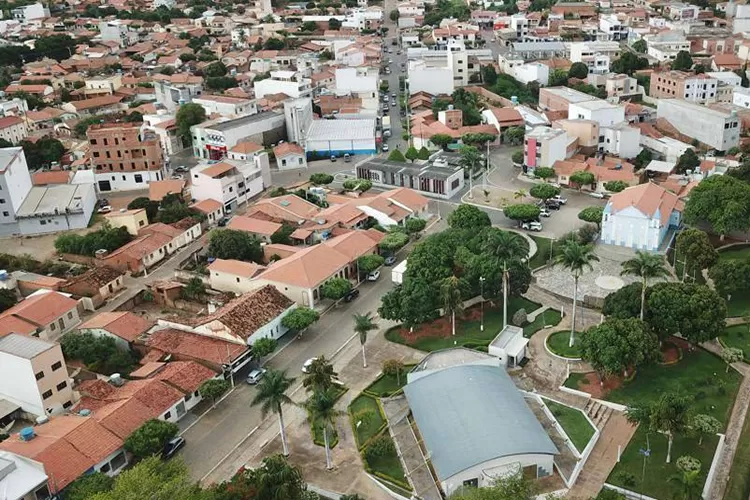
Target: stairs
pixel 598 412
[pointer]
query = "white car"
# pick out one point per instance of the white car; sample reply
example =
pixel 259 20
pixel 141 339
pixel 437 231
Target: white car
pixel 373 276
pixel 543 212
pixel 559 199
pixel 255 376
pixel 385 147
pixel 105 209
pixel 532 226
pixel 594 194
pixel 306 366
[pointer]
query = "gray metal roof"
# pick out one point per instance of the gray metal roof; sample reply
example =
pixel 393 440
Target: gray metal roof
pixel 55 199
pixel 470 414
pixel 23 346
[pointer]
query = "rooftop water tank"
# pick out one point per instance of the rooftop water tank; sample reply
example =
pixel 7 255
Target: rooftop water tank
pixel 27 433
pixel 84 412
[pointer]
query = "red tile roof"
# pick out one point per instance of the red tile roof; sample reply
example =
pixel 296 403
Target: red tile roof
pixel 192 345
pixel 207 206
pixel 185 375
pixel 41 309
pixel 126 325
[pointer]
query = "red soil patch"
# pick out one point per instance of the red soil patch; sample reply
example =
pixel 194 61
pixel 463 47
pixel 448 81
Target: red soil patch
pixel 670 353
pixel 594 386
pixel 441 327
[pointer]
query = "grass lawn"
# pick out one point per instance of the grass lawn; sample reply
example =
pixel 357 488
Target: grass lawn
pixel 736 253
pixel 371 425
pixel 558 344
pixel 544 250
pixel 386 385
pixel 548 317
pixel 699 374
pixel 468 332
pixel 739 477
pixel 628 472
pixel 739 306
pixel 573 421
pixel 389 466
pixel 573 381
pixel 317 430
pixel 738 336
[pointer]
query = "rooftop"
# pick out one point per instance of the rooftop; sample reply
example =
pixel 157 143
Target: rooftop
pixel 23 346
pixel 242 121
pixel 126 325
pixel 55 199
pixel 360 129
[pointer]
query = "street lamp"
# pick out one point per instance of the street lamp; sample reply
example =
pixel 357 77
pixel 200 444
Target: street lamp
pixel 481 306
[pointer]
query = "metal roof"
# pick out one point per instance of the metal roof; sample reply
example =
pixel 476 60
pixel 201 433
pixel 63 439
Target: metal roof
pixel 23 346
pixel 334 130
pixel 471 414
pixel 55 199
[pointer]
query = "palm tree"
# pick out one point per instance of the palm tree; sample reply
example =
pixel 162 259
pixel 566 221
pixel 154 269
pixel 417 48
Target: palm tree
pixel 363 323
pixel 450 292
pixel 320 375
pixel 646 265
pixel 669 414
pixel 577 258
pixel 520 194
pixel 322 411
pixel 505 246
pixel 277 479
pixel 271 395
pixel 690 483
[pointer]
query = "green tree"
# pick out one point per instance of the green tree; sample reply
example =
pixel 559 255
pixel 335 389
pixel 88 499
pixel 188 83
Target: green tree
pixel 682 61
pixel 334 24
pixel 193 289
pixel 214 69
pixel 696 249
pixel 471 159
pixel 558 78
pixel 274 44
pixel 690 482
pixel 221 83
pixel 43 152
pixel 514 135
pixel 152 207
pixel 578 70
pixel 107 238
pixel 213 389
pixel 322 410
pixel 592 215
pixel 154 479
pixel 188 115
pixel 412 154
pixel 704 425
pixel 669 414
pixel 396 155
pixel 522 212
pixel 238 245
pixel 271 396
pixel 628 63
pixel 321 179
pixel 450 294
pixel 687 161
pixel 8 299
pixel 543 173
pixel 360 185
pixel 489 75
pixel 99 353
pixel 645 265
pixel 275 479
pixel 721 200
pixel 640 46
pixel 624 303
pixel 517 158
pixel 363 324
pixel 582 178
pixel 617 344
pixel 512 487
pixel 505 248
pixel 393 368
pixel 309 26
pixel 369 263
pixel 263 347
pixel 576 258
pixel 615 186
pixel 393 241
pixel 300 318
pixel 643 158
pixel 424 153
pixel 150 438
pixel 544 191
pixel 283 234
pixel 414 225
pixel 730 276
pixel 694 311
pixel 468 217
pixel 320 376
pixel 441 140
pixel 88 485
pixel 393 15
pixel 732 355
pixel 336 288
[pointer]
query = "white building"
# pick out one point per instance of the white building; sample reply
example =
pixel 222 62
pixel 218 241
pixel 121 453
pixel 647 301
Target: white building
pixel 441 71
pixel 13 129
pixel 231 182
pixel 298 115
pixel 666 45
pixel 715 128
pixel 640 217
pixel 612 28
pixel 338 137
pixel 163 126
pixel 600 111
pixel 226 105
pixel 22 478
pixel 30 12
pixel 543 146
pixel 213 139
pixel 360 83
pixel 741 97
pixel 595 55
pixel 727 77
pixel 290 156
pixel 531 72
pixel 290 83
pixel 117 31
pixel 620 139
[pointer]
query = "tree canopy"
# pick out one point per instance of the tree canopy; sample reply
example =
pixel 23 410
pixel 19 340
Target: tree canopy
pixel 522 212
pixel 99 353
pixel 108 238
pixel 237 245
pixel 150 438
pixel 722 201
pixel 592 215
pixel 682 61
pixel 468 217
pixel 687 161
pixel 623 303
pixel 616 345
pixel 694 311
pixel 544 191
pixel 336 288
pixel 578 70
pixel 188 115
pixel 300 318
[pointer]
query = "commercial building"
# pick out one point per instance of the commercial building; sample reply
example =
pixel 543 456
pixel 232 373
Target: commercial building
pixel 33 375
pixel 230 182
pixel 699 88
pixel 338 137
pixel 213 139
pixel 441 71
pixel 715 128
pixel 226 105
pixel 612 28
pixel 543 146
pixel 290 83
pixel 123 157
pixel 595 55
pixel 440 178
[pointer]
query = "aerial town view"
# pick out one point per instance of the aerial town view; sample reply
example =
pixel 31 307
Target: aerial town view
pixel 374 250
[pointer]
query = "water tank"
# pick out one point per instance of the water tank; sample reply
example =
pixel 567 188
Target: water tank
pixel 27 434
pixel 84 412
pixel 514 99
pixel 3 275
pixel 42 419
pixel 116 380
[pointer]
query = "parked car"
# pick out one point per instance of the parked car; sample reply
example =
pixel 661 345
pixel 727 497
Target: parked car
pixel 393 95
pixel 373 276
pixel 390 260
pixel 255 376
pixel 181 168
pixel 543 212
pixel 104 209
pixel 393 103
pixel 172 447
pixel 531 226
pixel 353 294
pixel 333 157
pixel 594 194
pixel 553 205
pixel 385 146
pixel 177 177
pixel 559 199
pixel 223 221
pixel 307 364
pixel 347 157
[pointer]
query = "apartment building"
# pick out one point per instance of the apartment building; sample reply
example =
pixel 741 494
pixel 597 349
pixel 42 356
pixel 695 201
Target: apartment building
pixel 700 88
pixel 715 128
pixel 595 55
pixel 666 45
pixel 172 91
pixel 616 85
pixel 290 83
pixel 441 71
pixel 598 110
pixel 13 129
pixel 230 182
pixel 226 105
pixel 359 83
pixel 612 28
pixel 123 157
pixel 213 139
pixel 543 146
pixel 29 13
pixel 33 375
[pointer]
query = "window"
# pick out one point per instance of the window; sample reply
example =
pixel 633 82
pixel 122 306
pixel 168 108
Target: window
pixel 118 462
pixel 104 468
pixel 47 395
pixel 67 404
pixel 138 178
pixel 56 366
pixel 168 415
pixel 70 315
pixel 238 280
pixel 6 214
pixel 61 386
pixel 93 142
pixel 39 375
pixel 52 326
pixel 43 222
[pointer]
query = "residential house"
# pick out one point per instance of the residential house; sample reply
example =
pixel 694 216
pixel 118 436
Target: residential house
pixel 22 478
pixel 182 232
pixel 44 314
pixel 95 286
pixel 133 220
pixel 260 228
pixel 140 254
pixel 13 129
pixel 642 217
pixel 543 146
pixel 231 182
pixel 182 345
pixel 123 326
pixel 212 209
pixel 290 156
pixel 605 170
pixel 233 275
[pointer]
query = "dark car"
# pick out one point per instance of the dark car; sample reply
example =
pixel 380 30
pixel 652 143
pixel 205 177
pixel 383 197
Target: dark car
pixel 553 205
pixel 223 221
pixel 353 294
pixel 172 447
pixel 390 260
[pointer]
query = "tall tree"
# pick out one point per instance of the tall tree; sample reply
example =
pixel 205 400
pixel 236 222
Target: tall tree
pixel 687 161
pixel 450 294
pixel 576 258
pixel 154 479
pixel 646 266
pixel 544 191
pixel 231 244
pixel 363 324
pixel 704 425
pixel 514 135
pixel 721 200
pixel 188 115
pixel 471 159
pixel 468 217
pixel 271 396
pixel 578 70
pixel 668 414
pixel 592 215
pixel 696 249
pixel 150 438
pixel 730 276
pixel 617 344
pixel 623 303
pixel 640 46
pixel 682 61
pixel 507 249
pixel 441 140
pixel 321 406
pixel 511 487
pixel 320 376
pixel 694 311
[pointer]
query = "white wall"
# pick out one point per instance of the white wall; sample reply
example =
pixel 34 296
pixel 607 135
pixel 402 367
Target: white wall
pixel 273 329
pixel 629 228
pixel 434 81
pixel 18 384
pixel 126 181
pixel 292 161
pixel 455 482
pixel 15 185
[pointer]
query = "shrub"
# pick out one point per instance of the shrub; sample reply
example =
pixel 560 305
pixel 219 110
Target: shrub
pixel 380 446
pixel 588 234
pixel 626 478
pixel 519 317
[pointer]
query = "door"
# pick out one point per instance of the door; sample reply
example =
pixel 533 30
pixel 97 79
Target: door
pixel 180 409
pixel 105 186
